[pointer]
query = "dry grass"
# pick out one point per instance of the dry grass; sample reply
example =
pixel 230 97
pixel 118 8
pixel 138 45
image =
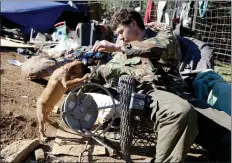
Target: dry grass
pixel 224 70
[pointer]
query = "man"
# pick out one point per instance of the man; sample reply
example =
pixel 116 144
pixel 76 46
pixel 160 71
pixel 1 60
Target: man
pixel 174 118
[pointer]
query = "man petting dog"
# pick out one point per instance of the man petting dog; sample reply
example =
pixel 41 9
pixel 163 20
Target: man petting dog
pixel 64 78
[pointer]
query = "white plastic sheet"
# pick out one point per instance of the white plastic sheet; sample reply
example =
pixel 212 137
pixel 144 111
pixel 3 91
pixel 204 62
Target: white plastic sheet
pixel 102 101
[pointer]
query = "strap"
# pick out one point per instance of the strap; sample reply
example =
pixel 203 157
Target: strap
pixel 91 34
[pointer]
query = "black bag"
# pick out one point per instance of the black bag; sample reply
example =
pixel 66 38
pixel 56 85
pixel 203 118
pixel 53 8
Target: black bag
pixel 89 33
pixel 86 34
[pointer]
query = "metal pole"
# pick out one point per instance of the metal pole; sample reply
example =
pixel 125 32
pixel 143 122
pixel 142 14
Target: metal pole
pixel 111 150
pixel 195 15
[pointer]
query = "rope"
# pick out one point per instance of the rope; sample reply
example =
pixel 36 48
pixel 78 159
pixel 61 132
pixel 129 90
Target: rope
pixel 86 145
pixel 84 150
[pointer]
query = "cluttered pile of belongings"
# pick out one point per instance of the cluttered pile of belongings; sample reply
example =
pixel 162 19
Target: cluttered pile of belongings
pixel 70 45
pixel 46 43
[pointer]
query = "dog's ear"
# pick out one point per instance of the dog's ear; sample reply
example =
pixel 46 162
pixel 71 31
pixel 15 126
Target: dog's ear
pixel 78 70
pixel 72 69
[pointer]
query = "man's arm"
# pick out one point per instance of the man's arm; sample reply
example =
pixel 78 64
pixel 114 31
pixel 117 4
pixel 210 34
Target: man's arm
pixel 163 45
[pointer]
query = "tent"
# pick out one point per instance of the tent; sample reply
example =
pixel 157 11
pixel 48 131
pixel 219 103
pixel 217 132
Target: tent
pixel 41 16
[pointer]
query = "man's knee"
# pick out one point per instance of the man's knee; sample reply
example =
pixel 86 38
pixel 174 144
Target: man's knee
pixel 185 112
pixel 168 104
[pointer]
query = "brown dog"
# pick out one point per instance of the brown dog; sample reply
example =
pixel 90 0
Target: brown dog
pixel 62 79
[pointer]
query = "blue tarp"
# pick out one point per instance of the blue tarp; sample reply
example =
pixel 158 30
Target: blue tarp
pixel 40 16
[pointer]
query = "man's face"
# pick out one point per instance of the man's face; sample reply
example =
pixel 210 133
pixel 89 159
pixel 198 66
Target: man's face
pixel 127 33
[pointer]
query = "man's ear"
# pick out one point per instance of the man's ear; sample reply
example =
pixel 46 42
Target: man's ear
pixel 134 23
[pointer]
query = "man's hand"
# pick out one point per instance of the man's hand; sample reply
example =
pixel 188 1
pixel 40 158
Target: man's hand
pixel 106 46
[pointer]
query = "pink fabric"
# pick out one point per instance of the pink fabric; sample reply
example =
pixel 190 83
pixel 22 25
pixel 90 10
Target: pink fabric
pixel 147 17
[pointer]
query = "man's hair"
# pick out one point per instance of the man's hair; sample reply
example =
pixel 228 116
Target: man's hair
pixel 125 17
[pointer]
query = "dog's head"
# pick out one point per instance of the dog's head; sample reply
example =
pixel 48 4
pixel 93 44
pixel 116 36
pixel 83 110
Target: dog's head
pixel 77 69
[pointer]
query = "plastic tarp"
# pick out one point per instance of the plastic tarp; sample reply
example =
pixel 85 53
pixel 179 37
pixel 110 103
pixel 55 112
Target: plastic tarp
pixel 41 16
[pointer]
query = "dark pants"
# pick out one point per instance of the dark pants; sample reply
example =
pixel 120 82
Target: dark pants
pixel 215 139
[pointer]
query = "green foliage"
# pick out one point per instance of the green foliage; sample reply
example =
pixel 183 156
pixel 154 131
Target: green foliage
pixel 110 7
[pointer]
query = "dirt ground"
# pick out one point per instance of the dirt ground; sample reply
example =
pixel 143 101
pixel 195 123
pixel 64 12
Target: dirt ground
pixel 18 97
pixel 18 110
pixel 18 118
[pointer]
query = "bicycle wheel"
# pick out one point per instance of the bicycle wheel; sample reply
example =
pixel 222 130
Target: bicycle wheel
pixel 126 86
pixel 80 112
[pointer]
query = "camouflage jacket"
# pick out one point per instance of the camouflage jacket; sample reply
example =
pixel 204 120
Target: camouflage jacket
pixel 155 59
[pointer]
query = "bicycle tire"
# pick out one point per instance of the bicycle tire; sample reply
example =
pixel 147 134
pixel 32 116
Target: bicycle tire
pixel 126 86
